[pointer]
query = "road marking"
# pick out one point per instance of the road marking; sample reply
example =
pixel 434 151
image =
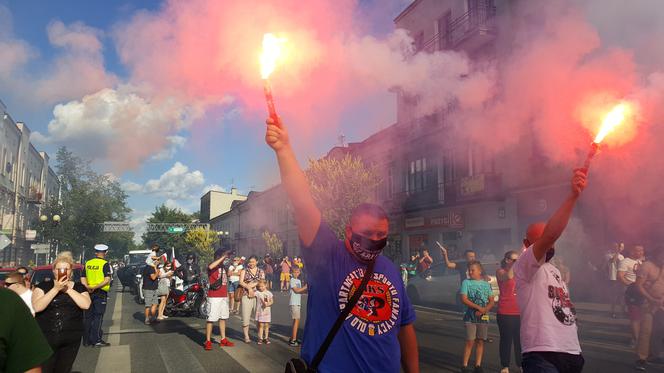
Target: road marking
pixel 176 357
pixel 114 359
pixel 116 325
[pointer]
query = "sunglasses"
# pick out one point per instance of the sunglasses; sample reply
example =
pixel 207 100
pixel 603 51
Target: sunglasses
pixel 8 284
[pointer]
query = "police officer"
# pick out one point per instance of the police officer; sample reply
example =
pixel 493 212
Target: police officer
pixel 97 279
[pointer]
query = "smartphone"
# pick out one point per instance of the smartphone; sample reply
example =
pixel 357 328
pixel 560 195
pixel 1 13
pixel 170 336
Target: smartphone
pixel 62 273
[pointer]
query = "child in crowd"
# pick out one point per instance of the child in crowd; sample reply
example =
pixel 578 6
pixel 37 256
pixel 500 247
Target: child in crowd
pixel 265 299
pixel 295 303
pixel 477 296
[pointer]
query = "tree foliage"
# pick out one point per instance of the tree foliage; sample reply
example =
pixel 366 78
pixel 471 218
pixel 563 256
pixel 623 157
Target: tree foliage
pixel 87 199
pixel 274 245
pixel 201 241
pixel 165 214
pixel 338 186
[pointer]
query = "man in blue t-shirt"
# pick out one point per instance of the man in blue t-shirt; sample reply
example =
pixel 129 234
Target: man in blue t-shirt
pixel 378 335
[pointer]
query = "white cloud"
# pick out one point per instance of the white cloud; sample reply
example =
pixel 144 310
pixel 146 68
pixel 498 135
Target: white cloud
pixel 215 187
pixel 176 183
pixel 119 125
pixel 132 187
pixel 175 143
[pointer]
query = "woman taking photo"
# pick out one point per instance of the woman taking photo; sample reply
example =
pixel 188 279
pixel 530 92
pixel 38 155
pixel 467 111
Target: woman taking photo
pixel 509 319
pixel 163 288
pixel 249 278
pixel 59 305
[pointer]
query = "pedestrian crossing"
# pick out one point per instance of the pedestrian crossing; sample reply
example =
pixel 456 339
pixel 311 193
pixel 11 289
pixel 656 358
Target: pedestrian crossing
pixel 174 346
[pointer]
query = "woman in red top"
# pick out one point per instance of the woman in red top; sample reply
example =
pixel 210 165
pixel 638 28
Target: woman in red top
pixel 509 319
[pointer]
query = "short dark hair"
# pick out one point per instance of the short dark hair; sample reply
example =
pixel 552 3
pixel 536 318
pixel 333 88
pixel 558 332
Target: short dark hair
pixel 469 251
pixel 370 209
pixel 476 263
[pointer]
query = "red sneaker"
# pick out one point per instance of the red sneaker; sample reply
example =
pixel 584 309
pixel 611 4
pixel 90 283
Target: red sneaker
pixel 226 342
pixel 208 345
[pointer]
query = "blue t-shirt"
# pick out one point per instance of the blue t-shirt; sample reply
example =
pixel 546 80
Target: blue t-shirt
pixel 478 292
pixel 367 342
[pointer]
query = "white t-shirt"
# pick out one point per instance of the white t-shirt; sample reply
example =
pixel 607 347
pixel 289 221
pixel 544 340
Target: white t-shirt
pixel 629 266
pixel 613 266
pixel 232 268
pixel 548 317
pixel 27 299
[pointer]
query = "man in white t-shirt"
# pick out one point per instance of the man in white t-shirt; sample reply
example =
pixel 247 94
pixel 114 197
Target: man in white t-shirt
pixel 549 339
pixel 616 289
pixel 627 269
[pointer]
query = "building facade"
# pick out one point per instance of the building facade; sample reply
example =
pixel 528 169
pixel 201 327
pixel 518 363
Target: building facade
pixel 215 203
pixel 26 182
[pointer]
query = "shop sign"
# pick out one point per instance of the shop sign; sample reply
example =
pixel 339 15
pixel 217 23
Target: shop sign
pixel 472 185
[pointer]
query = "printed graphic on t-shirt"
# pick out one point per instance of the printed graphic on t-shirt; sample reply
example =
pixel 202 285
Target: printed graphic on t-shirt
pixel 561 305
pixel 377 310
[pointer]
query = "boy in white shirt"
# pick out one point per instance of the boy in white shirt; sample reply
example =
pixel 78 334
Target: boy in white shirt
pixel 549 338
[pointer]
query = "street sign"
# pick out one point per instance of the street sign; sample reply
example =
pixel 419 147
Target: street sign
pixel 175 229
pixel 4 241
pixel 40 248
pixel 30 234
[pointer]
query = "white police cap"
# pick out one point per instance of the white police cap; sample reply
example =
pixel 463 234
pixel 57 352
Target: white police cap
pixel 101 247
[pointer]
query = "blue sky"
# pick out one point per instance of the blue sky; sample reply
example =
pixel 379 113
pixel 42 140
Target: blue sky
pixel 217 149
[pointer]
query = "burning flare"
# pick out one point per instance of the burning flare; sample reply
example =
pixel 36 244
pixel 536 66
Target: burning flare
pixel 271 53
pixel 613 119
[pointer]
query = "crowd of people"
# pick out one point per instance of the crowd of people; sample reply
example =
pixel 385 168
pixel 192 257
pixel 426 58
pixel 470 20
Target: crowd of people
pixel 47 323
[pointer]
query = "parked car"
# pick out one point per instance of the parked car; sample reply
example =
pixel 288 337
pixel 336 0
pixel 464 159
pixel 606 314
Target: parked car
pixel 4 272
pixel 441 289
pixel 45 273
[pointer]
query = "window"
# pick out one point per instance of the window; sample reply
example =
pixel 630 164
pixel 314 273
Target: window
pixel 390 182
pixel 418 41
pixel 417 176
pixel 443 28
pixel 4 161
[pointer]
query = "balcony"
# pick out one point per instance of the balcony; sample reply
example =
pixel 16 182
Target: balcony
pixel 467 189
pixel 467 32
pixel 34 196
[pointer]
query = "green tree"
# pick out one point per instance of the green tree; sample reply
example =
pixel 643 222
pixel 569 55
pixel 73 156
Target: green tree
pixel 87 199
pixel 338 186
pixel 274 245
pixel 201 241
pixel 164 214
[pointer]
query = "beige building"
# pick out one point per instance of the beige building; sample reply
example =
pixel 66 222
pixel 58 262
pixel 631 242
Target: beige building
pixel 215 203
pixel 26 182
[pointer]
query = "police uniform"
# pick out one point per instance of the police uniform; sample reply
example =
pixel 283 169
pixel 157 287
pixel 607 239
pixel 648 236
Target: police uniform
pixel 96 270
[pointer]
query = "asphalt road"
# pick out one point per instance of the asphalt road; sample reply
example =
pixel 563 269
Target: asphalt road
pixel 175 345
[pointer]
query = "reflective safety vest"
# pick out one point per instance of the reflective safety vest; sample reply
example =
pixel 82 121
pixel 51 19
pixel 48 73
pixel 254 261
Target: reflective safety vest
pixel 94 272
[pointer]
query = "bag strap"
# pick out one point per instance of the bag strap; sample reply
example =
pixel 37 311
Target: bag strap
pixel 342 317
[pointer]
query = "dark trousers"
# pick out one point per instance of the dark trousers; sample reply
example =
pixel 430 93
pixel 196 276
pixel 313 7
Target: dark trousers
pixel 509 327
pixel 552 362
pixel 65 348
pixel 94 317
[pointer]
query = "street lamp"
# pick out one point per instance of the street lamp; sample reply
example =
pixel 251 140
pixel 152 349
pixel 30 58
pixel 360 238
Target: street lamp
pixel 55 220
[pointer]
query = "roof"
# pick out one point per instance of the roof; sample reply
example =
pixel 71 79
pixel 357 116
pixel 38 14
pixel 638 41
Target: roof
pixel 407 10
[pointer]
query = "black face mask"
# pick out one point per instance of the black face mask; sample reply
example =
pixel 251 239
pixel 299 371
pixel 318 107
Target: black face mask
pixel 366 249
pixel 549 254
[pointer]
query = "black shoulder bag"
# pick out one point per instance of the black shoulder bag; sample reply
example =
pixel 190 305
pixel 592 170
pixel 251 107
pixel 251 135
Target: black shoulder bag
pixel 297 365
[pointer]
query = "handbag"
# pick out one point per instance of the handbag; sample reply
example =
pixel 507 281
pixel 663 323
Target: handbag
pixel 297 365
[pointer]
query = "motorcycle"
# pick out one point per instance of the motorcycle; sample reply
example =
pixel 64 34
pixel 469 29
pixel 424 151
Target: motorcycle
pixel 191 300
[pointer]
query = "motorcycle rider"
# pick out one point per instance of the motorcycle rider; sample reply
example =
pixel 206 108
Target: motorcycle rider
pixel 189 272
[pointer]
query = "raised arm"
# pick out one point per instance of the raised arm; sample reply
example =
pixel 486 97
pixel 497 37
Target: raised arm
pixel 558 222
pixel 443 251
pixel 295 183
